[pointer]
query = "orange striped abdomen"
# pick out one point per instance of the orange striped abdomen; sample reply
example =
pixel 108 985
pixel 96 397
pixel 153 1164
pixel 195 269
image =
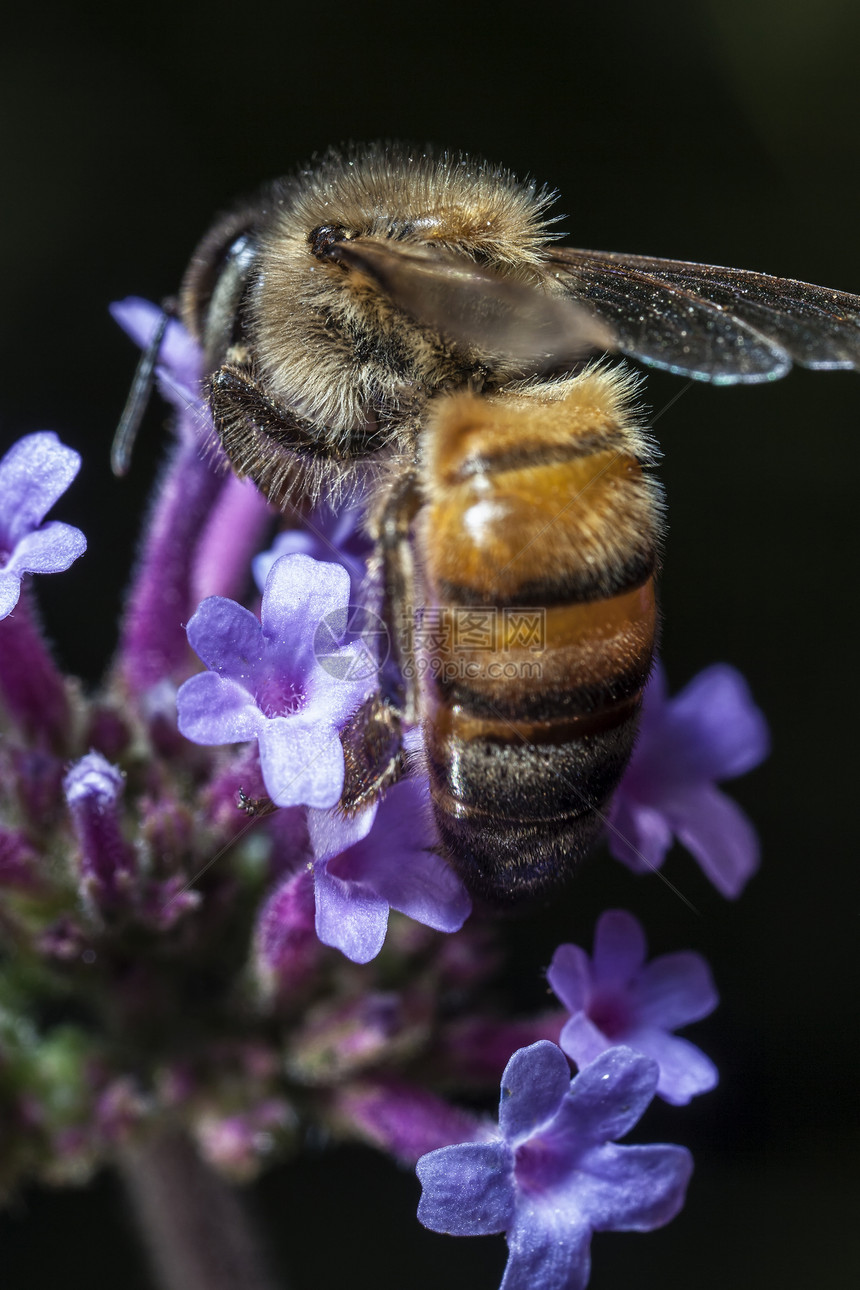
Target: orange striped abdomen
pixel 538 545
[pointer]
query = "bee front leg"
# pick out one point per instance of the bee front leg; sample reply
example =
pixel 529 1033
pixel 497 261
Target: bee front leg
pixel 289 458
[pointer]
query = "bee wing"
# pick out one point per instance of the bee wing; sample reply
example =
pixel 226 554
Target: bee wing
pixel 476 306
pixel 711 323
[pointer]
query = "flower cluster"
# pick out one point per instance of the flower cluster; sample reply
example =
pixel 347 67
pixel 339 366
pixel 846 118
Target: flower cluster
pixel 248 959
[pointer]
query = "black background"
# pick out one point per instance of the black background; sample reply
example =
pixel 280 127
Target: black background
pixel 725 132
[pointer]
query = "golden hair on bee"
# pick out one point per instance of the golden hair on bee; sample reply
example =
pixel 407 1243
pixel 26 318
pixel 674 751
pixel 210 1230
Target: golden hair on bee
pixel 309 327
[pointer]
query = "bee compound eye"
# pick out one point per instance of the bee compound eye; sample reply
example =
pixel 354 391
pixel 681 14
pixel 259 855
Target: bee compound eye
pixel 325 236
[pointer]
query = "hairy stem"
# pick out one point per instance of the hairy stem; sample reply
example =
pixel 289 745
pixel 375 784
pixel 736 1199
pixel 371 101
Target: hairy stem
pixel 196 1229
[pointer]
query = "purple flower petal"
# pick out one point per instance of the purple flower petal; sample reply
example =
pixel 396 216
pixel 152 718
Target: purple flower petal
pixel 685 1071
pixel 639 835
pixel 468 1189
pixel 568 1179
pixel 424 888
pixel 49 549
pixel 349 917
pixel 339 689
pixel 213 709
pixel 719 730
pixel 711 730
pixel 290 542
pixel 619 947
pixel 382 855
pixel 632 1189
pixel 549 1248
pixel 534 1084
pixel 34 474
pixel 718 834
pixel 302 761
pixel 307 604
pixel 10 590
pixel 228 639
pixel 332 833
pixel 299 594
pixel 569 976
pixel 265 683
pixel 582 1040
pixel 674 990
pixel 326 536
pixel 398 865
pixel 608 1097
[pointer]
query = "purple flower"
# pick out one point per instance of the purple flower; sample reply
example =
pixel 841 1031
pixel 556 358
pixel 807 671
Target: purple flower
pixel 617 998
pixel 555 1175
pixel 107 866
pixel 265 682
pixel 377 860
pixel 711 731
pixel 34 473
pixel 325 535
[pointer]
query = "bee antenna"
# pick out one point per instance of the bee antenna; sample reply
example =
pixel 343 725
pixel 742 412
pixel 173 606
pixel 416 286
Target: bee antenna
pixel 138 397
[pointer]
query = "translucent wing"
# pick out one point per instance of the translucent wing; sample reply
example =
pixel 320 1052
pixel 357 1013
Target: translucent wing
pixel 477 306
pixel 711 323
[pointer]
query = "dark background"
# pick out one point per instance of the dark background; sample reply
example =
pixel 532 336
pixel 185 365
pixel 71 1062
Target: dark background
pixel 725 132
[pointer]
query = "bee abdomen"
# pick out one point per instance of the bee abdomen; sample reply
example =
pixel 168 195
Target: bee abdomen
pixel 539 629
pixel 519 804
pixel 524 750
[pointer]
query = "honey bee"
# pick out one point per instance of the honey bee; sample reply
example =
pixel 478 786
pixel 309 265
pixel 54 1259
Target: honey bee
pixel 403 328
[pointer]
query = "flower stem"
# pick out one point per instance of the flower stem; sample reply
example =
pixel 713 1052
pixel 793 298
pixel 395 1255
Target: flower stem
pixel 195 1226
pixel 153 644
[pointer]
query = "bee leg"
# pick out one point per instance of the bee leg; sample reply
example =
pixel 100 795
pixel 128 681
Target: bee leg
pixel 373 737
pixel 373 752
pixel 391 532
pixel 288 457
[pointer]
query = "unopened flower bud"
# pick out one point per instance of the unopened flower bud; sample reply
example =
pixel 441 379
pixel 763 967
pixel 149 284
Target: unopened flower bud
pixel 286 949
pixel 106 863
pixel 401 1119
